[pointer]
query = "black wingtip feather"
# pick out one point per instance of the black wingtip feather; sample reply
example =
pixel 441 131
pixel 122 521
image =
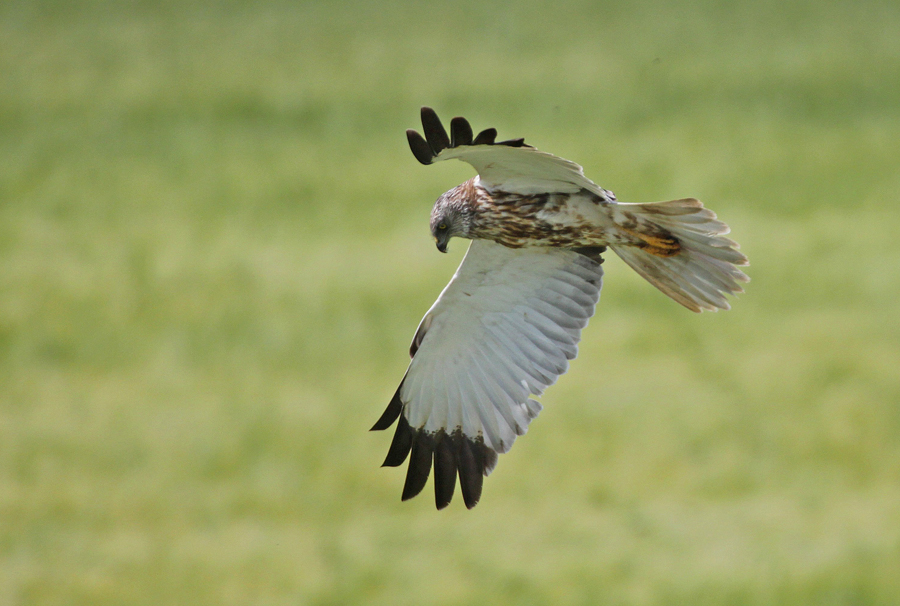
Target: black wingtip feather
pixel 444 470
pixel 434 131
pixel 390 414
pixel 486 137
pixel 471 472
pixel 460 132
pixel 400 445
pixel 419 146
pixel 512 143
pixel 419 465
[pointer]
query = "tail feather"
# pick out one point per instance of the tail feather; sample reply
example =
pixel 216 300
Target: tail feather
pixel 703 271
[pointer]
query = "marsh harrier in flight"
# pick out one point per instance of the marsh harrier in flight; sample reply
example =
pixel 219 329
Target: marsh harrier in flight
pixel 507 324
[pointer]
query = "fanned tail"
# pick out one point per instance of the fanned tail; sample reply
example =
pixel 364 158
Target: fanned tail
pixel 688 258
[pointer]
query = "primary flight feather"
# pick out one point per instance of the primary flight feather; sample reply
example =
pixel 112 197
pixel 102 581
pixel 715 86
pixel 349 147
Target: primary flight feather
pixel 507 324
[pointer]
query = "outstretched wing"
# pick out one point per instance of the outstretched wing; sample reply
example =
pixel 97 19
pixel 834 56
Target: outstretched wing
pixel 502 330
pixel 510 166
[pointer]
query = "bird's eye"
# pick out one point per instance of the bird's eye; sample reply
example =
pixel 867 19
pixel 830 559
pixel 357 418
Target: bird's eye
pixel 442 226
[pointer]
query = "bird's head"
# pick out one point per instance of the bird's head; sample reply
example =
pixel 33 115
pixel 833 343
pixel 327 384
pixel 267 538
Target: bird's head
pixel 451 216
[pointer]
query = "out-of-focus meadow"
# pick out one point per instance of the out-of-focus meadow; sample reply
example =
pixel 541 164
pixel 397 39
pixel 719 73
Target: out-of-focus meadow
pixel 214 252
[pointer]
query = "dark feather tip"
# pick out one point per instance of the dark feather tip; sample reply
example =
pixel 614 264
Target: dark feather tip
pixel 434 131
pixel 400 445
pixel 419 465
pixel 592 252
pixel 419 146
pixel 486 137
pixel 460 132
pixel 513 143
pixel 471 469
pixel 390 414
pixel 444 470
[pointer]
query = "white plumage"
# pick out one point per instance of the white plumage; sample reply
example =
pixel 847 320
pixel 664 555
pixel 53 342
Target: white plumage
pixel 503 329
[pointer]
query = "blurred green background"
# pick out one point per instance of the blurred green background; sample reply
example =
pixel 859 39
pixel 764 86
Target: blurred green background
pixel 214 252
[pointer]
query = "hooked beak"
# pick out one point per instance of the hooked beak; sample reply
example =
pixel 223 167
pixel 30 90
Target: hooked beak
pixel 441 245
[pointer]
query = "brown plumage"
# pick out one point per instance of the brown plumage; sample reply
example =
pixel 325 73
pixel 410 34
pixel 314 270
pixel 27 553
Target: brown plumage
pixel 550 219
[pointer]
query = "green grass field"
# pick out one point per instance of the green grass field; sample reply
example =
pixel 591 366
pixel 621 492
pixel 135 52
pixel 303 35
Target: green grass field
pixel 214 252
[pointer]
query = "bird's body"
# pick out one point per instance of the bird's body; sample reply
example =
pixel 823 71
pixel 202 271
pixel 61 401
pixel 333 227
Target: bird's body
pixel 506 326
pixel 562 220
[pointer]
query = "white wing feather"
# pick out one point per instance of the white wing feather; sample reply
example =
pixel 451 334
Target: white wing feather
pixel 523 170
pixel 503 329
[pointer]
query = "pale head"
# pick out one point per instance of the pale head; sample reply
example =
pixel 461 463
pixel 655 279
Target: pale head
pixel 452 215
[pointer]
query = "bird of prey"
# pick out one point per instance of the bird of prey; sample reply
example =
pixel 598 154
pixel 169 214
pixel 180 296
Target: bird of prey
pixel 509 321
